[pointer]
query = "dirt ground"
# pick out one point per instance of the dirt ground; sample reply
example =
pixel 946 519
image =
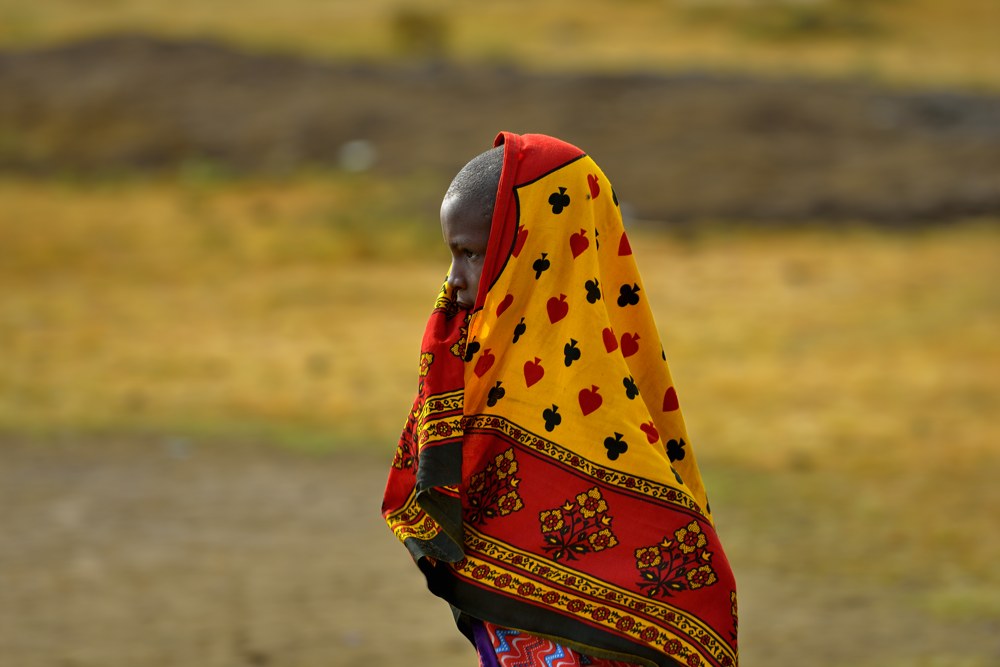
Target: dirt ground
pixel 166 552
pixel 688 145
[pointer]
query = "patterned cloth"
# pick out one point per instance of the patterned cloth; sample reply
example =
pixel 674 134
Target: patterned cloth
pixel 545 479
pixel 503 647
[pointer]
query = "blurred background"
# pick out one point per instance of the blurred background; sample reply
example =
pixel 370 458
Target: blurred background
pixel 219 244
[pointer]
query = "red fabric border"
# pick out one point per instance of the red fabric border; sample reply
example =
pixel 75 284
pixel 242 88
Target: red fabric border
pixel 525 158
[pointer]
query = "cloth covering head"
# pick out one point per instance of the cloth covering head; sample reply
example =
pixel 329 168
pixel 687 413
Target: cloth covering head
pixel 545 480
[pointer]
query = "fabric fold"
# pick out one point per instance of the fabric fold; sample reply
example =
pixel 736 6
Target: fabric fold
pixel 546 470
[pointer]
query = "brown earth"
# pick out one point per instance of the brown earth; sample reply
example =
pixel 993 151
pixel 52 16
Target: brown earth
pixel 687 145
pixel 167 552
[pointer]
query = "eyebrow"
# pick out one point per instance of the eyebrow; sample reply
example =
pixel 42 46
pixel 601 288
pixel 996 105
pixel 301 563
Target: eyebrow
pixel 466 243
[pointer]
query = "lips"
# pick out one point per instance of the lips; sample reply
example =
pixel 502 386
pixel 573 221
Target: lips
pixel 460 295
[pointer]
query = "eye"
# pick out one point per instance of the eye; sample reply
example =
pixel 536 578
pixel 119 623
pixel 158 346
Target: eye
pixel 471 254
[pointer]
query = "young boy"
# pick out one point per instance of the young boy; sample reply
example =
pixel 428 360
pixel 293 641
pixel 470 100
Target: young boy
pixel 545 482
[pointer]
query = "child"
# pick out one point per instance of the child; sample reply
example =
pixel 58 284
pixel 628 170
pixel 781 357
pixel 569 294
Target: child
pixel 545 482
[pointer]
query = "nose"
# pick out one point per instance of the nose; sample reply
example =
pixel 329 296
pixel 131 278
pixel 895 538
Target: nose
pixel 455 279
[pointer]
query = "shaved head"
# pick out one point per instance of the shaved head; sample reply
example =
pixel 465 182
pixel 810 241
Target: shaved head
pixel 466 217
pixel 476 183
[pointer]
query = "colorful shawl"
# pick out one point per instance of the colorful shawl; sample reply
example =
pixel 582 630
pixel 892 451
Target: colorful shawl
pixel 545 480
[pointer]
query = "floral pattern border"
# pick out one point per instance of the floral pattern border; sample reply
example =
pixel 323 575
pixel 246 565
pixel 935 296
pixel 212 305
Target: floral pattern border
pixel 492 492
pixel 412 521
pixel 631 483
pixel 625 612
pixel 678 564
pixel 577 528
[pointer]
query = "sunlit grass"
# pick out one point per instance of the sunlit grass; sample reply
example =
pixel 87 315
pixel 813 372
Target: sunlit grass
pixel 841 386
pixel 165 303
pixel 855 342
pixel 902 41
pixel 175 306
pixel 247 307
pixel 857 370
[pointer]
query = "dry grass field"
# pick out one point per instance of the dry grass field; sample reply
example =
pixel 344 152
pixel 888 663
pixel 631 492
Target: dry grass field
pixel 900 41
pixel 212 310
pixel 203 307
pixel 842 386
pixel 202 375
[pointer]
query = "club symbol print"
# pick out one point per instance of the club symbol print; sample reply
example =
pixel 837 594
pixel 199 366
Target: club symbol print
pixel 631 390
pixel 593 290
pixel 571 352
pixel 552 417
pixel 519 330
pixel 496 393
pixel 675 449
pixel 628 295
pixel 558 201
pixel 470 351
pixel 541 265
pixel 615 446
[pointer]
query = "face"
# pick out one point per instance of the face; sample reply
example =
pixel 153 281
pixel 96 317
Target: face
pixel 466 233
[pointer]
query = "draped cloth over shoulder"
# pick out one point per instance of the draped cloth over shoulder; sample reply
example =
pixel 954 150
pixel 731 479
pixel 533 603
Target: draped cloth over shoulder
pixel 545 480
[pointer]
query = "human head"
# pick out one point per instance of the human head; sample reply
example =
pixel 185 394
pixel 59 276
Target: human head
pixel 466 214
